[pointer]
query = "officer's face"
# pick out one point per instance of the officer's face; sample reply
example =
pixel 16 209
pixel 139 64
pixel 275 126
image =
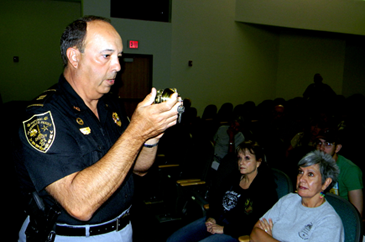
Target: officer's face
pixel 99 63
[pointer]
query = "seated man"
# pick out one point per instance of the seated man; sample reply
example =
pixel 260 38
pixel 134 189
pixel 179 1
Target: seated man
pixel 349 185
pixel 226 140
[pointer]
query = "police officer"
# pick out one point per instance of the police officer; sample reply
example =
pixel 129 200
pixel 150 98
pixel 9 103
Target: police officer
pixel 77 145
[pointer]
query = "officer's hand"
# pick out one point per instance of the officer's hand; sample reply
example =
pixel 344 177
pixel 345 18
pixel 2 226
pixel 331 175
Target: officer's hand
pixel 153 119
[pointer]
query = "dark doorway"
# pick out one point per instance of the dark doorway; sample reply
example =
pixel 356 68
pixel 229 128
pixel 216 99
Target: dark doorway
pixel 134 81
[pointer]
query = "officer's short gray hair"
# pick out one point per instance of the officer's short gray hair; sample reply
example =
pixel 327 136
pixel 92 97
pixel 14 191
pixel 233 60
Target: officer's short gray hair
pixel 327 166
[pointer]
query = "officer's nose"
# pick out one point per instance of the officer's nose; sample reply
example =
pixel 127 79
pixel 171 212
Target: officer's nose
pixel 115 64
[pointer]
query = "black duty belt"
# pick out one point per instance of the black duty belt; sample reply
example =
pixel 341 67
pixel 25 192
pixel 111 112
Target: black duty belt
pixel 115 225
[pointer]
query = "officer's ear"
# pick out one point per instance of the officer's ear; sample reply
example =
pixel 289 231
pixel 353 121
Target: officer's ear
pixel 73 55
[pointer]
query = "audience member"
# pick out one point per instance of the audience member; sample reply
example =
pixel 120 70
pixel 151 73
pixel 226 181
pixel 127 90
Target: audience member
pixel 249 110
pixel 241 201
pixel 210 112
pixel 249 115
pixel 305 216
pixel 349 184
pixel 225 114
pixel 190 118
pixel 243 113
pixel 265 131
pixel 208 123
pixel 351 119
pixel 187 103
pixel 308 137
pixel 226 139
pixel 296 115
pixel 318 90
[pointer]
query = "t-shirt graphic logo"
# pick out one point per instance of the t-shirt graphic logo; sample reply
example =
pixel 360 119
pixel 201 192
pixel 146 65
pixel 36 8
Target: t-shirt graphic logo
pixel 248 206
pixel 230 200
pixel 304 233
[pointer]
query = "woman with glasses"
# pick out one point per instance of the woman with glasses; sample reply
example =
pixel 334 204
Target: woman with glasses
pixel 350 183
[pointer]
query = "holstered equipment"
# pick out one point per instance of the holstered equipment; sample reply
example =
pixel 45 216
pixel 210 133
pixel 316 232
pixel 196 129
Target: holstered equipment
pixel 41 227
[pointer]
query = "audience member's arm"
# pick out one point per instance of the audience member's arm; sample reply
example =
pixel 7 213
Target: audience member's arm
pixel 259 234
pixel 213 227
pixel 356 198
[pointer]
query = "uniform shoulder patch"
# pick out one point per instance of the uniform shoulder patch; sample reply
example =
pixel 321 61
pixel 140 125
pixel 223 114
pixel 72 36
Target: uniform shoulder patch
pixel 40 131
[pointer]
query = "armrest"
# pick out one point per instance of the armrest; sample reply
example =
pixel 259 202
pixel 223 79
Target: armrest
pixel 187 184
pixel 169 165
pixel 187 181
pixel 244 238
pixel 200 201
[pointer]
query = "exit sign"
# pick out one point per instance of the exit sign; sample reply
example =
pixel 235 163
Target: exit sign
pixel 133 44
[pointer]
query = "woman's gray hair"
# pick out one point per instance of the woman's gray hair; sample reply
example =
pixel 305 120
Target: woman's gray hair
pixel 327 166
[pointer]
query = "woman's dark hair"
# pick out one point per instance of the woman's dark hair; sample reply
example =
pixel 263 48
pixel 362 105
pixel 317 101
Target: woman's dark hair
pixel 327 166
pixel 253 147
pixel 74 35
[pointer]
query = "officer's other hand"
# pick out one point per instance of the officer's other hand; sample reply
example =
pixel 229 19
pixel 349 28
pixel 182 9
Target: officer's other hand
pixel 153 119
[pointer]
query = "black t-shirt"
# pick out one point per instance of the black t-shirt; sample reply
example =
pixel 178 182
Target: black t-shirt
pixel 239 209
pixel 61 136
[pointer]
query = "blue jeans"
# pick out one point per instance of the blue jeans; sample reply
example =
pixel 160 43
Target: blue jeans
pixel 197 231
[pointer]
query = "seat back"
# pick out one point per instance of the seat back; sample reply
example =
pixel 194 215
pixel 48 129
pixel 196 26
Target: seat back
pixel 13 115
pixel 283 182
pixel 198 161
pixel 204 152
pixel 349 215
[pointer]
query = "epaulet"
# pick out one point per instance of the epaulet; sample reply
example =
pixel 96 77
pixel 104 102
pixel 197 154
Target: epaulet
pixel 41 99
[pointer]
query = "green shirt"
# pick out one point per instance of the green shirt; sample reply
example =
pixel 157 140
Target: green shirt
pixel 349 179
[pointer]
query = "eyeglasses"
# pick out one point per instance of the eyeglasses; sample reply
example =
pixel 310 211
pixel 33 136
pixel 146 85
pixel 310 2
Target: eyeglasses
pixel 325 144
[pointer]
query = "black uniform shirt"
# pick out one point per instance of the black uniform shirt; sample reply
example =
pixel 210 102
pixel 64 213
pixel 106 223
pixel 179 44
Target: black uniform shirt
pixel 61 136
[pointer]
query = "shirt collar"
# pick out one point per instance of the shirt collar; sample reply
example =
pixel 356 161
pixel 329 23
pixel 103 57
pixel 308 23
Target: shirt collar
pixel 75 100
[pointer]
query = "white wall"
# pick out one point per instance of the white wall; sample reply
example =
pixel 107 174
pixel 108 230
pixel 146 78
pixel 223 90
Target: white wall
pixel 339 16
pixel 32 31
pixel 304 53
pixel 354 71
pixel 232 62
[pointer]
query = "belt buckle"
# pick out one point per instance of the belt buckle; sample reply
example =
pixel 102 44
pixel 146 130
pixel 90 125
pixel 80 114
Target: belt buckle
pixel 119 221
pixel 117 225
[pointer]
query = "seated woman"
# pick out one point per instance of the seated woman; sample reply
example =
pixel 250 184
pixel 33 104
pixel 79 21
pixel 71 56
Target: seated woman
pixel 305 216
pixel 239 202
